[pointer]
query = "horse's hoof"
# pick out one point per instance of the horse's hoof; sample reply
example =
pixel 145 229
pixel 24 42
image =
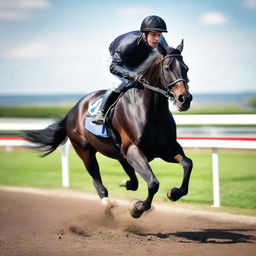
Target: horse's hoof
pixel 129 185
pixel 173 194
pixel 133 208
pixel 106 202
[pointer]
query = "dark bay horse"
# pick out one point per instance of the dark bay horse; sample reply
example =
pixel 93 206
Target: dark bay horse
pixel 142 129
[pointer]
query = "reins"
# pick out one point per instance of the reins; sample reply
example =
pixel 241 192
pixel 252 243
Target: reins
pixel 167 93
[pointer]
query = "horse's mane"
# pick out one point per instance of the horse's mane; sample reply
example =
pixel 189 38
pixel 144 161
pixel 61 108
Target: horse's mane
pixel 149 69
pixel 144 67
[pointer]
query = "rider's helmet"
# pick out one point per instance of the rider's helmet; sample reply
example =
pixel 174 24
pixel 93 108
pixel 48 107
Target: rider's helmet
pixel 153 23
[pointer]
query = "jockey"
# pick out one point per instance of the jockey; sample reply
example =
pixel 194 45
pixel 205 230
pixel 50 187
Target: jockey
pixel 128 51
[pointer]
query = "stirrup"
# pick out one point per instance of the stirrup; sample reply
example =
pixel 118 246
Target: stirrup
pixel 99 118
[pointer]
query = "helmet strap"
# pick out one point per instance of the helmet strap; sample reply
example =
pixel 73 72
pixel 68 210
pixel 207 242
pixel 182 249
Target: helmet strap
pixel 145 37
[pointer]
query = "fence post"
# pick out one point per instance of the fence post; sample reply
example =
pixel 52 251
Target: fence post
pixel 64 164
pixel 216 179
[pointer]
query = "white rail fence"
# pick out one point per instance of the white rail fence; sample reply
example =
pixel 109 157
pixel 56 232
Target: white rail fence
pixel 213 143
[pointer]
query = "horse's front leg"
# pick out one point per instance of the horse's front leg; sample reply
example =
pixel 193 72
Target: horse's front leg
pixel 175 194
pixel 138 161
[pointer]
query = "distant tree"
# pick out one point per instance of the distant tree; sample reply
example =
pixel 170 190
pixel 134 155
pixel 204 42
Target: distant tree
pixel 252 102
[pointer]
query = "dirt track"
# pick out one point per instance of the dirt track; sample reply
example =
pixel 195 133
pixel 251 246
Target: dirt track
pixel 67 224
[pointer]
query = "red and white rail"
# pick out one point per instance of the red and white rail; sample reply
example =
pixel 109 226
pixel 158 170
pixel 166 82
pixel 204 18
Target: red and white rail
pixel 214 143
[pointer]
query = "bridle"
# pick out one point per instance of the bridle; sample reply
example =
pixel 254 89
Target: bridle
pixel 168 85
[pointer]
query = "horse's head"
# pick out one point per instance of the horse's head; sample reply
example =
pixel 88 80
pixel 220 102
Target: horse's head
pixel 174 78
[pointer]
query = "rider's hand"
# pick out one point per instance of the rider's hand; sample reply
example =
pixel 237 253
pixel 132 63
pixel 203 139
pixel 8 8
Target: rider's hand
pixel 136 77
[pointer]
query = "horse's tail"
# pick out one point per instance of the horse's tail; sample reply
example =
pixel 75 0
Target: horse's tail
pixel 48 139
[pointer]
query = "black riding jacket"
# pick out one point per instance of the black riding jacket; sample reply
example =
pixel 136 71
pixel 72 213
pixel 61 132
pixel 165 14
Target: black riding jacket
pixel 130 50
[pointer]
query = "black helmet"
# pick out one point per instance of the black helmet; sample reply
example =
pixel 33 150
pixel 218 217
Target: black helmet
pixel 153 23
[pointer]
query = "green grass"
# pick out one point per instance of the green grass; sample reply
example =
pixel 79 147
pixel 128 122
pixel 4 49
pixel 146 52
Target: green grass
pixel 222 109
pixel 237 177
pixel 252 102
pixel 34 111
pixel 56 111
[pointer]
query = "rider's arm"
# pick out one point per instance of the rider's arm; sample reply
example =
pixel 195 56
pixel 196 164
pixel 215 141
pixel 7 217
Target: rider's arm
pixel 117 68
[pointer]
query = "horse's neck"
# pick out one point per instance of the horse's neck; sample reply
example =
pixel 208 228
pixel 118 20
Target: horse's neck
pixel 159 104
pixel 154 100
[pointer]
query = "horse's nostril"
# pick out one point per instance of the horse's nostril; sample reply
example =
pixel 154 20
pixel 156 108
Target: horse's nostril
pixel 185 98
pixel 181 98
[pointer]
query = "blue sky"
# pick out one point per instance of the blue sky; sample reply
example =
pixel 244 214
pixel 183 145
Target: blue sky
pixel 61 46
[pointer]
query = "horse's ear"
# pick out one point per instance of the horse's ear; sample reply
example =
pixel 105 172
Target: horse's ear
pixel 180 46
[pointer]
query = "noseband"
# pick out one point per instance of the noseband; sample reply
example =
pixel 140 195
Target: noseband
pixel 168 86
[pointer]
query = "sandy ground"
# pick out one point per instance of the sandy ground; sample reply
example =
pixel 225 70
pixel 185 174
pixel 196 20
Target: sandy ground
pixel 61 222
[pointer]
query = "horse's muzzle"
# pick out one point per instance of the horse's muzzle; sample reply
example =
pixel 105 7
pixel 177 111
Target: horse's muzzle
pixel 183 101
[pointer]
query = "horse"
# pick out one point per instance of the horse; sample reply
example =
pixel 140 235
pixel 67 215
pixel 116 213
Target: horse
pixel 141 129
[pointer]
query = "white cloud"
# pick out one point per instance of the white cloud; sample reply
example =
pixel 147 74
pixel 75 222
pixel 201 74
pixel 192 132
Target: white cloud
pixel 213 18
pixel 20 9
pixel 132 10
pixel 8 15
pixel 57 46
pixel 251 4
pixel 25 4
pixel 30 51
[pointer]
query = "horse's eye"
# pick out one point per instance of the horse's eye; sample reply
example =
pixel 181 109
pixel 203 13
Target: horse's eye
pixel 166 68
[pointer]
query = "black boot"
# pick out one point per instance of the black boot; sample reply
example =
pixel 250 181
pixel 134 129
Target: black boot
pixel 108 99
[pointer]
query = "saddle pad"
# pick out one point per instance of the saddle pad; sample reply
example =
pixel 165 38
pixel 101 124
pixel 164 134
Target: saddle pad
pixel 94 107
pixel 97 129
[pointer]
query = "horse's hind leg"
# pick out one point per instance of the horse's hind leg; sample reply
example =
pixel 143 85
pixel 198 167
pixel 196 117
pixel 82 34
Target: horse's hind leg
pixel 175 194
pixel 131 184
pixel 88 157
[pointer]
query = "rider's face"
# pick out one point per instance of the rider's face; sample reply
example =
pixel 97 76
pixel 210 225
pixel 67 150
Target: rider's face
pixel 153 38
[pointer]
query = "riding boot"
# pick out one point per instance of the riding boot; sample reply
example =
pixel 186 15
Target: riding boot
pixel 108 99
